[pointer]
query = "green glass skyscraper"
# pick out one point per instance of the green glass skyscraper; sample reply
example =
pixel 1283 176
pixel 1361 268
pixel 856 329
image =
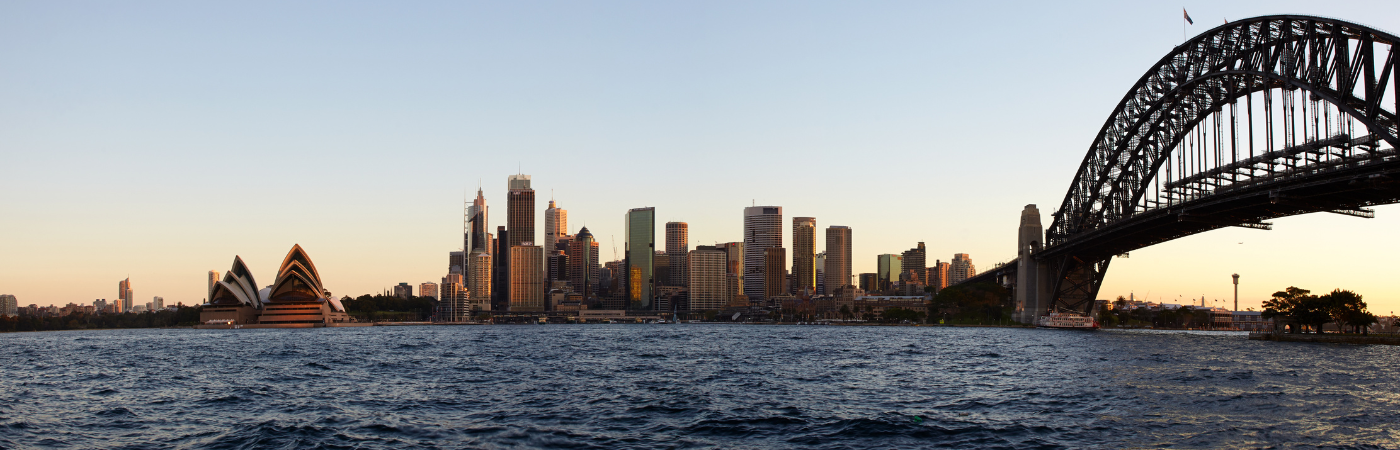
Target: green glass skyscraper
pixel 641 258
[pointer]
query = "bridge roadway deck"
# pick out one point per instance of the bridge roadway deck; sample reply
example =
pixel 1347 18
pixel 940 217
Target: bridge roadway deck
pixel 1347 187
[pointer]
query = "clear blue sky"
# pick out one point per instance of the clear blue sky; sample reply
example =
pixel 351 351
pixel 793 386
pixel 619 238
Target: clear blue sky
pixel 160 139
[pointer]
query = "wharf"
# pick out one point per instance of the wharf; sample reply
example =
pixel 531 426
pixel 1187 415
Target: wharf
pixel 1381 339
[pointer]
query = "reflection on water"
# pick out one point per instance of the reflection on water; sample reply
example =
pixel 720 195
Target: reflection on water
pixel 673 386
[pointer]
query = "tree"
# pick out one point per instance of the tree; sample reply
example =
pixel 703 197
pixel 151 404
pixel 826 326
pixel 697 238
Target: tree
pixel 845 311
pixel 1345 308
pixel 1298 305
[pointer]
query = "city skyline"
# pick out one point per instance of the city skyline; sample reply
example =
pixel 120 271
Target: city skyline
pixel 118 174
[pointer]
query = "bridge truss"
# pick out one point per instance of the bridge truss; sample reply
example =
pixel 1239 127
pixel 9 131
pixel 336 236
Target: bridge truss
pixel 1256 119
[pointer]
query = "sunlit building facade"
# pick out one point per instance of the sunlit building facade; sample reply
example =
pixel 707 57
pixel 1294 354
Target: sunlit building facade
pixel 641 254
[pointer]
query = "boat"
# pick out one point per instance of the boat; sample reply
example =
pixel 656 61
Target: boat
pixel 1067 321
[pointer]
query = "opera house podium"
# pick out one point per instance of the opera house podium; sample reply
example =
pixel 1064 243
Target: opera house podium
pixel 296 300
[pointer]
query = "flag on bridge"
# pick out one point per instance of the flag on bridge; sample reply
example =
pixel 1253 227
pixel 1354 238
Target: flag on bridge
pixel 1186 16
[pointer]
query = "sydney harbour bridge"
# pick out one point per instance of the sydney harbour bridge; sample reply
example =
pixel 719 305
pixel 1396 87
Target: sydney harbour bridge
pixel 1253 120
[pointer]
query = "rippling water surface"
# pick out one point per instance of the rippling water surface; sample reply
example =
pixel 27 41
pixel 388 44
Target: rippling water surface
pixel 689 386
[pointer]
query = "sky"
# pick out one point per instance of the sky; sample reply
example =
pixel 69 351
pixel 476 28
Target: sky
pixel 157 140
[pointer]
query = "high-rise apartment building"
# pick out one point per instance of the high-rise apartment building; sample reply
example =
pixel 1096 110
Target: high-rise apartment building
pixel 707 278
pixel 838 258
pixel 774 272
pixel 478 283
pixel 157 303
pixel 480 229
pixel 938 275
pixel 556 225
pixel 429 289
pixel 583 264
pixel 527 278
pixel 804 254
pixel 640 249
pixel 9 305
pixel 915 260
pixel 677 249
pixel 123 290
pixel 961 268
pixel 213 279
pixel 888 268
pixel 763 229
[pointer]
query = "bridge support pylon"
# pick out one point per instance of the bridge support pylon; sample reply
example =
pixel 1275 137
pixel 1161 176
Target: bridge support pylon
pixel 1033 280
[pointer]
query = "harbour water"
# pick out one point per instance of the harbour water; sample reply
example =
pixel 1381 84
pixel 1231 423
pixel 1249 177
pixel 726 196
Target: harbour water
pixel 690 386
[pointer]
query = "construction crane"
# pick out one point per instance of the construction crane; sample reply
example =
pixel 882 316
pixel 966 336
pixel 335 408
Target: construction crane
pixel 614 243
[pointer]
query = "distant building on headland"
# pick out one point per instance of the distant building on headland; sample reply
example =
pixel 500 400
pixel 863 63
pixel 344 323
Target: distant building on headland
pixel 296 300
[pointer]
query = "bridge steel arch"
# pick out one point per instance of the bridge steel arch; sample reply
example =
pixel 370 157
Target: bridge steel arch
pixel 1166 163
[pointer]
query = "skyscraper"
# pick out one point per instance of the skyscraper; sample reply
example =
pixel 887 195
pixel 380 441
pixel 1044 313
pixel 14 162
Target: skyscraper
pixel 763 229
pixel 157 303
pixel 938 275
pixel 804 253
pixel 9 305
pixel 480 229
pixel 838 258
pixel 821 272
pixel 556 225
pixel 640 249
pixel 915 260
pixel 478 283
pixel 733 269
pixel 707 283
pixel 500 277
pixel 888 268
pixel 213 278
pixel 429 289
pixel 961 268
pixel 774 271
pixel 527 278
pixel 583 264
pixel 677 249
pixel 520 211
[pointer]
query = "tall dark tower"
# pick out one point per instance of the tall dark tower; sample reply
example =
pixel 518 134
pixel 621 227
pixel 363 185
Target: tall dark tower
pixel 520 211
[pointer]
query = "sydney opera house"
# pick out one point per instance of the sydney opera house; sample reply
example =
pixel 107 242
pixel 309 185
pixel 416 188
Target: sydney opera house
pixel 295 300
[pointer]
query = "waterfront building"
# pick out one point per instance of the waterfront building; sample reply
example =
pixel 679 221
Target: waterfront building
pixel 888 268
pixel 961 268
pixel 774 272
pixel 454 306
pixel 763 229
pixel 640 249
pixel 296 299
pixel 677 249
pixel 838 258
pixel 804 254
pixel 915 260
pixel 527 278
pixel 556 226
pixel 583 264
pixel 708 278
pixel 429 289
pixel 9 305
